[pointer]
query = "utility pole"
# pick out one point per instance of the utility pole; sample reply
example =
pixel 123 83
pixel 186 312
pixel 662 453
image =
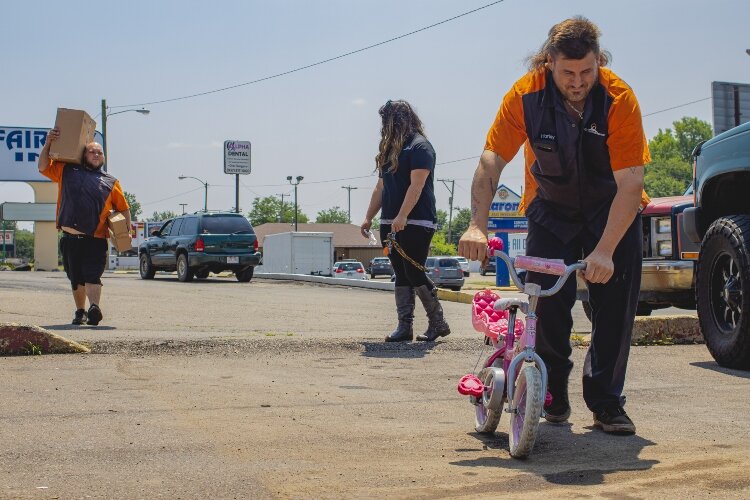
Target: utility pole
pixel 450 203
pixel 281 210
pixel 183 205
pixel 349 203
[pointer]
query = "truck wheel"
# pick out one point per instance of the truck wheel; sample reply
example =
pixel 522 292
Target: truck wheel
pixel 245 275
pixel 722 290
pixel 184 273
pixel 146 268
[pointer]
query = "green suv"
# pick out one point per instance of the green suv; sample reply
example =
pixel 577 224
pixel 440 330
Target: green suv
pixel 197 244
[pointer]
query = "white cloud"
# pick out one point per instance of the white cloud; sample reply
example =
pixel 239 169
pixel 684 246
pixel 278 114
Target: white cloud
pixel 359 102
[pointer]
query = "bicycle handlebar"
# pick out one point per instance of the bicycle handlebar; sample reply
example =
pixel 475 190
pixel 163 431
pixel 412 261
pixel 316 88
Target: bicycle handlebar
pixel 538 265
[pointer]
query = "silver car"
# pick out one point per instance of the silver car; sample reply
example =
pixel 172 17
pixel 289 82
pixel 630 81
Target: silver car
pixel 445 272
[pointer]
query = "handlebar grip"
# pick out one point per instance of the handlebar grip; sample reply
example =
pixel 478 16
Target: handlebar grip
pixel 536 264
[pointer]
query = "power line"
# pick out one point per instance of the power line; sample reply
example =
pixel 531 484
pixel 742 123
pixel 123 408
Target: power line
pixel 675 107
pixel 301 68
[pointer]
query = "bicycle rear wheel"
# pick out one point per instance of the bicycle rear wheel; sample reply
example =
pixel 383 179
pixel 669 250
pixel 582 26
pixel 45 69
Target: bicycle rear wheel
pixel 489 407
pixel 524 422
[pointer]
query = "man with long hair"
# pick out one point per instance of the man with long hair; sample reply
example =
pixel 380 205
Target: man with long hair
pixel 405 193
pixel 585 150
pixel 86 196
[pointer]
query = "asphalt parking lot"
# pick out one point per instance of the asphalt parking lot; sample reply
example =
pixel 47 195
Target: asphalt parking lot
pixel 286 390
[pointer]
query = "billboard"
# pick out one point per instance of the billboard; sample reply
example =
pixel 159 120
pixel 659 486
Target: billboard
pixel 19 153
pixel 237 157
pixel 731 105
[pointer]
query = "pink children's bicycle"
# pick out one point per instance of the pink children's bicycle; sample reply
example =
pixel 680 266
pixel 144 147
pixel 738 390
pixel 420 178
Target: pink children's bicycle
pixel 514 372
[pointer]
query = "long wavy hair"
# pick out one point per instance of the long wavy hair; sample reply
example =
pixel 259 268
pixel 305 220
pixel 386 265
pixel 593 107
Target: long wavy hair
pixel 572 38
pixel 400 123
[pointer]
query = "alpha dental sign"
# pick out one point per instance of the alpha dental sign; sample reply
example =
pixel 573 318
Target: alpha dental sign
pixel 19 153
pixel 237 157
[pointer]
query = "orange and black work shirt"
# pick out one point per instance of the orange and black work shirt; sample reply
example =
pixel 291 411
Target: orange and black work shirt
pixel 85 197
pixel 569 163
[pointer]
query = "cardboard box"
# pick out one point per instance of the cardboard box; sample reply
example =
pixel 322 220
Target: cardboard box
pixel 76 130
pixel 119 232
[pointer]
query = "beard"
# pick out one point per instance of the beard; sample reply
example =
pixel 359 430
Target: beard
pixel 90 166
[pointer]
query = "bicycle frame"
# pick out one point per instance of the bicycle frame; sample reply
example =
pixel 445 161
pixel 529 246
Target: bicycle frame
pixel 525 351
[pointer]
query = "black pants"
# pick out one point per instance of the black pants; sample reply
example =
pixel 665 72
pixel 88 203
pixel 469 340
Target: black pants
pixel 613 307
pixel 84 258
pixel 415 241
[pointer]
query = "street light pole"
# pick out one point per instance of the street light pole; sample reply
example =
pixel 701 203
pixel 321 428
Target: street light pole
pixel 183 207
pixel 450 204
pixel 349 203
pixel 205 185
pixel 295 184
pixel 104 126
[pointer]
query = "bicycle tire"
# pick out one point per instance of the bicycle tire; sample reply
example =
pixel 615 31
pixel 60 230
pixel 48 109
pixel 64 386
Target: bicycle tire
pixel 524 422
pixel 489 407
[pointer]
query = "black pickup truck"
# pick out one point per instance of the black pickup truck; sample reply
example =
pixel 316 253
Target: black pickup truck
pixel 720 222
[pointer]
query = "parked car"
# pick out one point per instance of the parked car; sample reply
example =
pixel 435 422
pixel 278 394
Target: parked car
pixel 380 266
pixel 445 272
pixel 464 264
pixel 349 269
pixel 720 223
pixel 197 244
pixel 488 267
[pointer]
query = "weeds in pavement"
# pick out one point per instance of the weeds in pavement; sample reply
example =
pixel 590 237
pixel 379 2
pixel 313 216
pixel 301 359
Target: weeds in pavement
pixel 32 349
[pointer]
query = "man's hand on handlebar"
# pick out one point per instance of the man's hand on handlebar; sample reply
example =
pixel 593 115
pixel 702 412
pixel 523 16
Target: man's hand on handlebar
pixel 473 244
pixel 599 267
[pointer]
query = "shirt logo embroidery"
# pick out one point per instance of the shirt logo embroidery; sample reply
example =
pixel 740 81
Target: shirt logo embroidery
pixel 547 136
pixel 592 130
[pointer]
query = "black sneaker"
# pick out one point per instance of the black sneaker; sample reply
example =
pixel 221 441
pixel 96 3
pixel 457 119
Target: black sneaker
pixel 614 420
pixel 80 317
pixel 95 315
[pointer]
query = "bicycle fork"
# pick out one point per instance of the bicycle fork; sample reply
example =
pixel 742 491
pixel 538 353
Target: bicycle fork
pixel 525 354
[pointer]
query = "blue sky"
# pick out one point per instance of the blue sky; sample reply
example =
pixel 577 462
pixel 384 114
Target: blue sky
pixel 322 123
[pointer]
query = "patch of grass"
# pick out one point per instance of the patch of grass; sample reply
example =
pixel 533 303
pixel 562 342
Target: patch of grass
pixel 32 349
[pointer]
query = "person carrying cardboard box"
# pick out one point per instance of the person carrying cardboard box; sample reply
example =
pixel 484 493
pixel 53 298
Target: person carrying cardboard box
pixel 86 196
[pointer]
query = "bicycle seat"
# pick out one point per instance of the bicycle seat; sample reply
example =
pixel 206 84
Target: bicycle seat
pixel 505 304
pixel 489 321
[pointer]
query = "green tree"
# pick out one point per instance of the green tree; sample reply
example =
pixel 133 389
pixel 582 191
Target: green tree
pixel 158 216
pixel 24 244
pixel 375 224
pixel 332 215
pixel 689 131
pixel 670 171
pixel 438 245
pixel 135 207
pixel 460 224
pixel 270 209
pixel 442 220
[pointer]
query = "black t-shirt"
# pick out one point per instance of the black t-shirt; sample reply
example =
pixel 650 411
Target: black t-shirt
pixel 417 153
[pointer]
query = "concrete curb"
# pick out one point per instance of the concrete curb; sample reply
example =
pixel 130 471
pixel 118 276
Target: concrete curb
pixel 26 339
pixel 672 329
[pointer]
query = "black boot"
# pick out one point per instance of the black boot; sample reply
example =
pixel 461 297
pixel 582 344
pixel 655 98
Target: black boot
pixel 436 325
pixel 405 310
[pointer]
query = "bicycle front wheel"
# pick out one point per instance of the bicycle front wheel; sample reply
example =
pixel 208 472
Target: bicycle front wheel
pixel 524 421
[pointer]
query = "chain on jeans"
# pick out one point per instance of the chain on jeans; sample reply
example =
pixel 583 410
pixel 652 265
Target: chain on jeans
pixel 391 243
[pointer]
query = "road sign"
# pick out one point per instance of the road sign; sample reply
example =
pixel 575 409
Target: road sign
pixel 237 157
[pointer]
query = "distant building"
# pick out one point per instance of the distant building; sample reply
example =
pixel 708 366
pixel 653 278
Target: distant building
pixel 347 240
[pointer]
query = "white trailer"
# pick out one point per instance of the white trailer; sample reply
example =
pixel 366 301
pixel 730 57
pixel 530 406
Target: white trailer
pixel 298 253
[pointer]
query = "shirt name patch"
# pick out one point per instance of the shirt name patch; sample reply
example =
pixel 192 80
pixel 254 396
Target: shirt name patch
pixel 547 136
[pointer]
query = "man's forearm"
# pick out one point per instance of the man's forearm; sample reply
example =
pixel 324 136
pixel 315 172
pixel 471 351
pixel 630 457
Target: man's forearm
pixel 483 187
pixel 43 162
pixel 621 214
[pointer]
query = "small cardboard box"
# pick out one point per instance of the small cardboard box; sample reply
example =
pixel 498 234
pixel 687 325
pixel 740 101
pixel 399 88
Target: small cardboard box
pixel 119 232
pixel 76 130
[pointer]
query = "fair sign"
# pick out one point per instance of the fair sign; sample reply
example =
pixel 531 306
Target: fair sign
pixel 505 203
pixel 237 157
pixel 19 153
